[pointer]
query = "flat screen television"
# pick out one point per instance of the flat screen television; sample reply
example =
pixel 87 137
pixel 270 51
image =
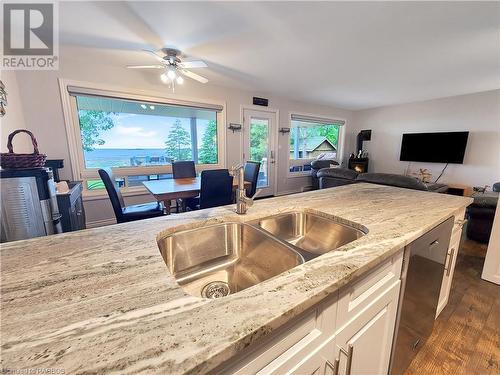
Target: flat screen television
pixel 443 147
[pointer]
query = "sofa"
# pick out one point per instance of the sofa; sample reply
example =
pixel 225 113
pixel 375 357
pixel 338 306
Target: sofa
pixel 331 177
pixel 480 215
pixel 316 166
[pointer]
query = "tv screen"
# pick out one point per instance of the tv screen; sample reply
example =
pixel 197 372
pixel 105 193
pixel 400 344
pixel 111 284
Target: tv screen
pixel 434 147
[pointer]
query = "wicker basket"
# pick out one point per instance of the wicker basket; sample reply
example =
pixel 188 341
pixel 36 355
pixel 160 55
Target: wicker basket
pixel 11 160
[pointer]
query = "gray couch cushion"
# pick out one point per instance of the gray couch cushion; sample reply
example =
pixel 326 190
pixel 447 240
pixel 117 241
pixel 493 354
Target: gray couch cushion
pixel 392 180
pixel 436 188
pixel 342 173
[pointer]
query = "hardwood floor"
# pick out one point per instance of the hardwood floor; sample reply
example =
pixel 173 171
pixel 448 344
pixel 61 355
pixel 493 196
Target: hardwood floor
pixel 466 335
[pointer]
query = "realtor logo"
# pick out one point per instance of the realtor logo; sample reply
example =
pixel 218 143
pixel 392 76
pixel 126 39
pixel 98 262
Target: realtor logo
pixel 29 36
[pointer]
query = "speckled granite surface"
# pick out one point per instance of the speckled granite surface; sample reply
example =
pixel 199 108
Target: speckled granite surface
pixel 102 300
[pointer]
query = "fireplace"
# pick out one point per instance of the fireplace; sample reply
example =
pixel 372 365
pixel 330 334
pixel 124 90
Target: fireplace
pixel 359 165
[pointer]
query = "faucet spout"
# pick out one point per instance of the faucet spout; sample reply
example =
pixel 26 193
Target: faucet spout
pixel 242 201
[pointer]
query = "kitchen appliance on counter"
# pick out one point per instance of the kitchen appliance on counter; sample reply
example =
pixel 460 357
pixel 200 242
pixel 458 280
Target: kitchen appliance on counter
pixel 424 263
pixel 29 204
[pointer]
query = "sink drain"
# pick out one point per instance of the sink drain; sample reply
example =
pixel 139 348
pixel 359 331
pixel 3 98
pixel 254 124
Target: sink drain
pixel 215 289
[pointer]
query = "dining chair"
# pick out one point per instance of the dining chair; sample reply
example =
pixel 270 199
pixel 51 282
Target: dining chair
pixel 251 175
pixel 184 169
pixel 128 213
pixel 216 188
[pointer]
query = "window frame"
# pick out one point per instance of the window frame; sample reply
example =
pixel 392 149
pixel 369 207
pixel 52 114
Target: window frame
pixel 77 158
pixel 340 142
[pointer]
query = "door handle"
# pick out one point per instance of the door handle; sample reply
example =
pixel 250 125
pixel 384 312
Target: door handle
pixel 349 352
pixel 335 366
pixel 434 243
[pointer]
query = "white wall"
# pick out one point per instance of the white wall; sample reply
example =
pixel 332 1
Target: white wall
pixel 14 118
pixel 477 113
pixel 41 112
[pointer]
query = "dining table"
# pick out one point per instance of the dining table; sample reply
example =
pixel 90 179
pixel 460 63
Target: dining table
pixel 177 188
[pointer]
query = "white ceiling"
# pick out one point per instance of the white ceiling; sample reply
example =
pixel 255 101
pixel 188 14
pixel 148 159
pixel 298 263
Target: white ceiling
pixel 351 55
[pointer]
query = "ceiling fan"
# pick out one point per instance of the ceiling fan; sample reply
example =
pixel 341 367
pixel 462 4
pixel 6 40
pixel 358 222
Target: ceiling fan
pixel 173 67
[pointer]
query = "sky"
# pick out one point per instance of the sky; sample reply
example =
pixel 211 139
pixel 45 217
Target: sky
pixel 143 131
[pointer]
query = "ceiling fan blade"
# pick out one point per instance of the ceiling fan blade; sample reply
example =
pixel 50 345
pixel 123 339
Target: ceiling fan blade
pixel 155 55
pixel 194 76
pixel 193 64
pixel 145 66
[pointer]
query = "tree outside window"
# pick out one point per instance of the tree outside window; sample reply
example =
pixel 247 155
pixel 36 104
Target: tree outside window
pixel 92 123
pixel 258 141
pixel 178 143
pixel 208 149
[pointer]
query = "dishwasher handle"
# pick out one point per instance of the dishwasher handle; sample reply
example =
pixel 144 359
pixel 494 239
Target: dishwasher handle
pixel 450 261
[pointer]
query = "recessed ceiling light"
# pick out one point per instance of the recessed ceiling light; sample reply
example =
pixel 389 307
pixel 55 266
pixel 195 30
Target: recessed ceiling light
pixel 143 106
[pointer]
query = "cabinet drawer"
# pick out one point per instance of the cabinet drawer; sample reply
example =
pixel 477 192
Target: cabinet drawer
pixel 354 298
pixel 290 345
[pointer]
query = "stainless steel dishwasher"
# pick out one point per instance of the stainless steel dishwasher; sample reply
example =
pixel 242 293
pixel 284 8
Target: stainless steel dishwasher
pixel 424 265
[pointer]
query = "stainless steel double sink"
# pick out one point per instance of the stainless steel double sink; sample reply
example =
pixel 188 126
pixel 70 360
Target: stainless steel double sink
pixel 221 259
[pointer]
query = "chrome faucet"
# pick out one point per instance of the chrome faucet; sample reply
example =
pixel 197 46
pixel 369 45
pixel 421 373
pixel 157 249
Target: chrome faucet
pixel 242 201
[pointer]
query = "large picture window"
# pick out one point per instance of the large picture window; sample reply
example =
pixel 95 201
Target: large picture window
pixel 139 139
pixel 120 133
pixel 312 138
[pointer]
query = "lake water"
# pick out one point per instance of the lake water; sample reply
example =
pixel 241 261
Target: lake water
pixel 120 157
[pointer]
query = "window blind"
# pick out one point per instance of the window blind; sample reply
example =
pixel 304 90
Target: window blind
pixel 317 120
pixel 84 91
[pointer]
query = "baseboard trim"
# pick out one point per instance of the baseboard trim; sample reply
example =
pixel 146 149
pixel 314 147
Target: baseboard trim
pixel 100 223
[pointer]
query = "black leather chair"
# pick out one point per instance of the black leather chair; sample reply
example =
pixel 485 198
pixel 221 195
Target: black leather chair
pixel 128 213
pixel 481 214
pixel 316 166
pixel 251 175
pixel 216 188
pixel 185 169
pixel 332 177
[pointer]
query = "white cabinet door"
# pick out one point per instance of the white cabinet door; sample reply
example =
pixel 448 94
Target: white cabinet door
pixel 296 342
pixel 449 269
pixel 366 341
pixel 451 259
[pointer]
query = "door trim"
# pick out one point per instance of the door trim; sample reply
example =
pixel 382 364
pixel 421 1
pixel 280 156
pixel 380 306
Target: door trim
pixel 275 145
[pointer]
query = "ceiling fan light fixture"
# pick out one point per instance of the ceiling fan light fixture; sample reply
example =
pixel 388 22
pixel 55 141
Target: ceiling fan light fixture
pixel 164 78
pixel 171 74
pixel 180 80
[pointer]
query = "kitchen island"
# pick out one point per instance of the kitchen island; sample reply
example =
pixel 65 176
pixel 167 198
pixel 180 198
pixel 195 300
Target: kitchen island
pixel 102 300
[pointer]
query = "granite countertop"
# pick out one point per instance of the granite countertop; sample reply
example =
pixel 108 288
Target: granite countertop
pixel 102 300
